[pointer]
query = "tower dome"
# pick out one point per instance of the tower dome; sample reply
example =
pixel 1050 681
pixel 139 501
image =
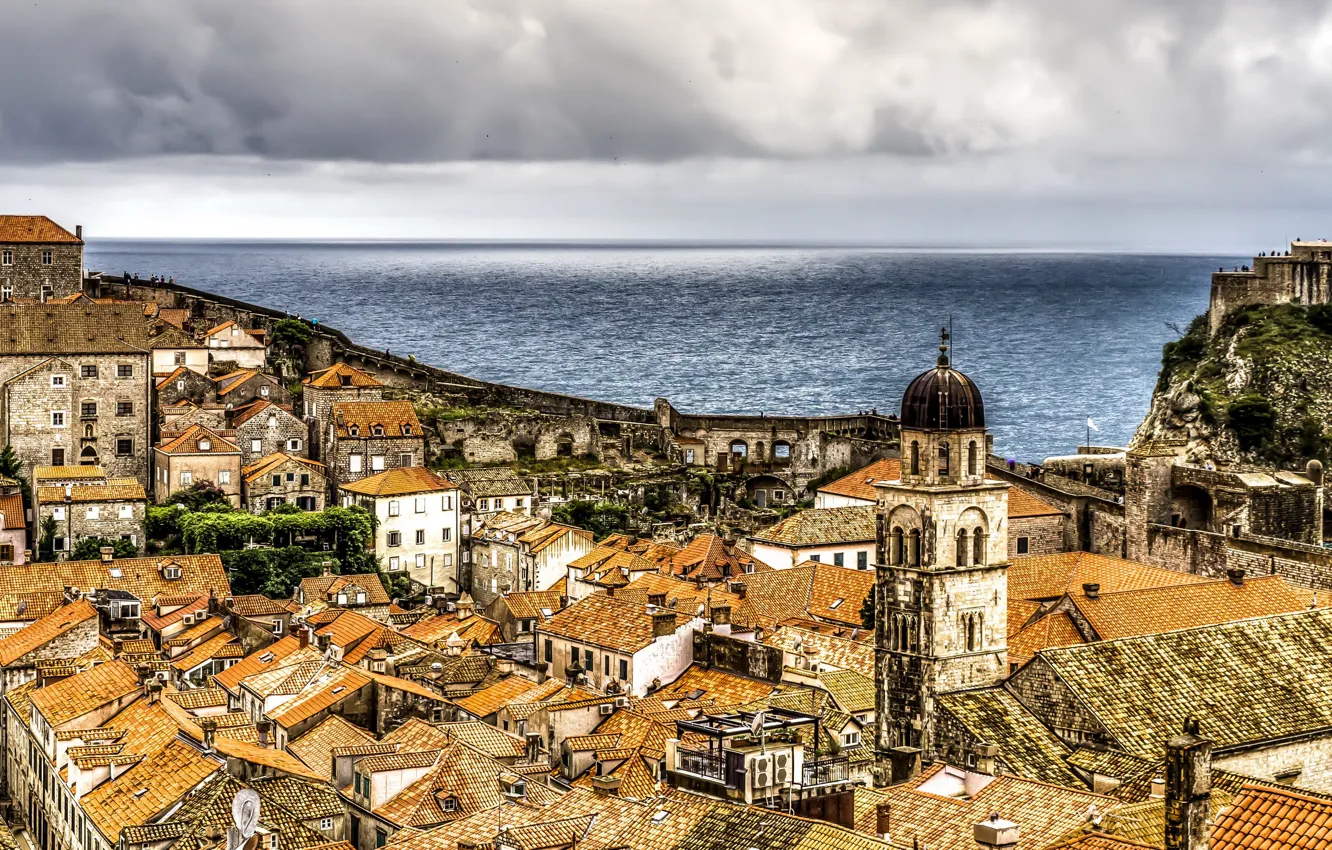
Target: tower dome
pixel 942 398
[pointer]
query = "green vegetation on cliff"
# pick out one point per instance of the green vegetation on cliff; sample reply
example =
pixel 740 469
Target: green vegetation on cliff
pixel 1259 389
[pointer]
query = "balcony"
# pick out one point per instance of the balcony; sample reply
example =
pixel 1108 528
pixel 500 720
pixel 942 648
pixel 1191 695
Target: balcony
pixel 702 763
pixel 826 771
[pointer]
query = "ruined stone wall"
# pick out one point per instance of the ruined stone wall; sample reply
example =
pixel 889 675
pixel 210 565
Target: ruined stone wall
pixel 1302 278
pixel 1290 513
pixel 1300 564
pixel 1188 550
pixel 1106 533
pixel 1147 481
pixel 501 437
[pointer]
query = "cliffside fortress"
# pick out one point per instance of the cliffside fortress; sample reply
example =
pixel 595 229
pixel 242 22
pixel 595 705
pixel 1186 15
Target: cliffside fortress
pixel 1303 275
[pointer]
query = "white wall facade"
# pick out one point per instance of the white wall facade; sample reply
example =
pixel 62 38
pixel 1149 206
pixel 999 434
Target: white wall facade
pixel 418 534
pixel 783 558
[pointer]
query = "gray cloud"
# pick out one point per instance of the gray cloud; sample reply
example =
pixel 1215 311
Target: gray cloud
pixel 394 81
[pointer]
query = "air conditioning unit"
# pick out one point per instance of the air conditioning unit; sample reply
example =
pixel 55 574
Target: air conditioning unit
pixel 607 708
pixel 781 772
pixel 622 702
pixel 761 769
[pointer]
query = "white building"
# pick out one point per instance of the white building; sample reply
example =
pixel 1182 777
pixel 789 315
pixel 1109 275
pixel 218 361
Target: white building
pixel 245 348
pixel 843 537
pixel 417 513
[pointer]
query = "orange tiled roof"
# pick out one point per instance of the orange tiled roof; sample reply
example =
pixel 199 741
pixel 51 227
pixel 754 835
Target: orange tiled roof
pixel 218 646
pixel 818 526
pixel 607 621
pixel 399 482
pixel 316 746
pixel 325 588
pixel 44 631
pixel 147 789
pixel 709 558
pixel 487 701
pixel 76 696
pixel 122 491
pixel 860 484
pixel 1052 630
pixel 194 439
pixel 1265 818
pixel 271 463
pixel 534 532
pixel 397 418
pixel 1051 576
pixel 1024 503
pixel 233 380
pixel 810 589
pixel 726 689
pixel 531 605
pixel 1166 609
pixel 244 413
pixel 319 695
pixel 139 576
pixel 332 378
pixel 16 229
pixel 11 510
pixel 257 662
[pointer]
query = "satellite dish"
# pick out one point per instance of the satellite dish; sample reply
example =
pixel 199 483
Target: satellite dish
pixel 757 725
pixel 245 811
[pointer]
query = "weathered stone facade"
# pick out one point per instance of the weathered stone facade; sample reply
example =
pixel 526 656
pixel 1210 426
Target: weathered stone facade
pixel 1036 535
pixel 185 385
pixel 280 479
pixel 1302 276
pixel 39 259
pixel 89 409
pixel 264 428
pixel 353 458
pixel 109 511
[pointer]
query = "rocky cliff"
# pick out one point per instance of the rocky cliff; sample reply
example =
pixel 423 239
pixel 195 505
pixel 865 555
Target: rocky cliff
pixel 1257 390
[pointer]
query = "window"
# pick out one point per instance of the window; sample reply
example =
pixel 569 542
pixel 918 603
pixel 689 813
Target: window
pixel 587 660
pixel 781 450
pixel 57 381
pixel 978 547
pixel 263 391
pixel 943 459
pixel 381 838
pixel 483 505
pixel 58 513
pixel 376 430
pixel 420 561
pixel 862 560
pixel 127 512
pixel 180 385
pixel 395 563
pixel 418 505
pixel 256 446
pixel 94 512
pixel 57 419
pixel 125 370
pixel 205 445
pixel 850 739
pixel 739 448
pixel 448 534
pixel 962 544
pixel 46 256
pixel 816 557
pixel 624 669
pixel 59 544
pixel 354 463
pixel 420 536
pixel 915 458
pixel 524 625
pixel 325 824
pixel 689 456
pixel 124 408
pixel 546 650
pixel 405 459
pixel 293 445
pixel 7 257
pixel 447 560
pixel 518 503
pixel 377 462
pixel 446 503
pixel 7 292
pixel 353 430
pixel 57 457
pixel 839 560
pixel 88 408
pixel 178 358
pixel 276 480
pixel 1023 545
pixel 394 508
pixel 395 538
pixel 971 458
pixel 186 478
pixel 88 370
pixel 124 446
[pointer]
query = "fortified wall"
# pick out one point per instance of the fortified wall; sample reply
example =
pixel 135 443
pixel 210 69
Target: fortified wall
pixel 547 424
pixel 1303 275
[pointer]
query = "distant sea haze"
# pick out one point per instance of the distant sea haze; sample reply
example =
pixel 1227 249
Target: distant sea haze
pixel 1051 339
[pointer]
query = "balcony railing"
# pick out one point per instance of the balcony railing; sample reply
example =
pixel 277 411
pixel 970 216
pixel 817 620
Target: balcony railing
pixel 826 771
pixel 702 763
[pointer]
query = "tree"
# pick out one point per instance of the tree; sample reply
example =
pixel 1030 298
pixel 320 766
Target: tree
pixel 869 609
pixel 199 496
pixel 292 334
pixel 90 548
pixel 600 518
pixel 46 541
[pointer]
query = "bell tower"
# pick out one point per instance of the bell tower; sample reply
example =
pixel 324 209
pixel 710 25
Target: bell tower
pixel 941 589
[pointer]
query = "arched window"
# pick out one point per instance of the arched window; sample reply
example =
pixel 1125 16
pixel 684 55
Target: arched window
pixel 915 458
pixel 895 550
pixel 915 547
pixel 978 547
pixel 781 450
pixel 962 548
pixel 739 448
pixel 973 642
pixel 971 458
pixel 943 459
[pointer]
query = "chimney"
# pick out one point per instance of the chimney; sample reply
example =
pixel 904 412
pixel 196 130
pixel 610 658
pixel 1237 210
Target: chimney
pixel 303 636
pixel 1236 576
pixel 108 554
pixel 721 614
pixel 995 833
pixel 209 728
pixel 1313 470
pixel 154 690
pixel 262 728
pixel 533 748
pixel 663 623
pixel 117 647
pixel 739 589
pixel 1091 590
pixel 905 763
pixel 1157 791
pixel 78 231
pixel 328 570
pixel 987 758
pixel 1188 789
pixel 606 786
pixel 882 814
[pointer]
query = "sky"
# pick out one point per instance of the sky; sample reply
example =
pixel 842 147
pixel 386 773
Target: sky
pixel 1161 125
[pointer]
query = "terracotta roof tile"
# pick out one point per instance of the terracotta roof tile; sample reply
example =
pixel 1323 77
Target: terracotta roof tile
pixel 319 695
pixel 76 696
pixel 147 789
pixel 724 688
pixel 316 746
pixel 1164 609
pixel 860 484
pixel 607 621
pixel 197 439
pixel 18 229
pixel 44 630
pixel 257 662
pixel 487 701
pixel 494 742
pixel 82 329
pixel 333 378
pixel 1051 576
pixel 1052 630
pixel 1024 503
pixel 810 589
pixel 535 533
pixel 1273 819
pixel 129 491
pixel 399 482
pixel 326 588
pixel 397 418
pixel 816 526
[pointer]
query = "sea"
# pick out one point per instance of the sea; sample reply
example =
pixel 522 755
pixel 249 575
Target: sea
pixel 1052 339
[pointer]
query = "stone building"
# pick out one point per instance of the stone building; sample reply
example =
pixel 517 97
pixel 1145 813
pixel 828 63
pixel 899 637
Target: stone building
pixel 175 418
pixel 39 259
pixel 366 437
pixel 516 553
pixel 942 590
pixel 264 428
pixel 844 537
pixel 13 524
pixel 1035 526
pixel 184 352
pixel 325 388
pixel 196 456
pixel 113 509
pixel 246 385
pixel 184 384
pixel 1303 275
pixel 75 386
pixel 417 531
pixel 229 342
pixel 283 479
